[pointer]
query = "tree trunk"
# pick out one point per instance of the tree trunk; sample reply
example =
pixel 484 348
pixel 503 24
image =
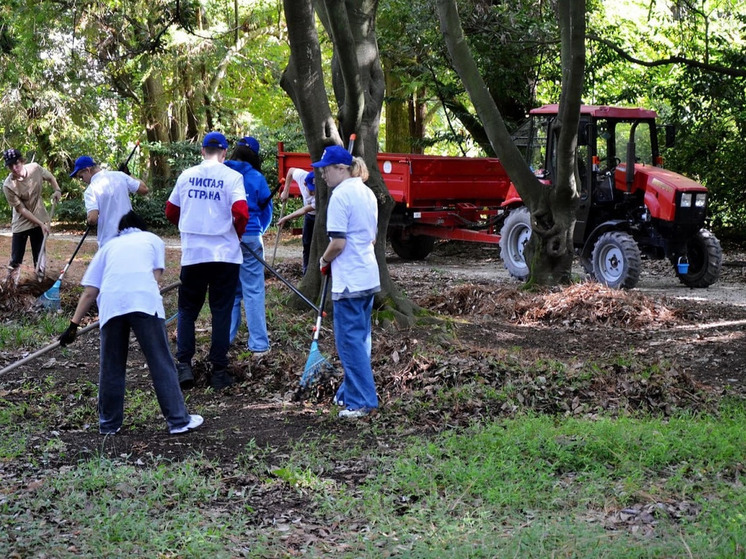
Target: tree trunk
pixel 358 83
pixel 398 136
pixel 155 114
pixel 549 253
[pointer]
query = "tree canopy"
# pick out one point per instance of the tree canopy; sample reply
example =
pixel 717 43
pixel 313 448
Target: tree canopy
pixel 92 77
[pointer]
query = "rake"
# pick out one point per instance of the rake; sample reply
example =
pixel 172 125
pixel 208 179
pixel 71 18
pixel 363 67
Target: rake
pixel 50 299
pixel 317 365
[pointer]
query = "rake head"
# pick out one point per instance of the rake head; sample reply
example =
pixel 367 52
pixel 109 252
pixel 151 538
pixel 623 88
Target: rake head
pixel 50 299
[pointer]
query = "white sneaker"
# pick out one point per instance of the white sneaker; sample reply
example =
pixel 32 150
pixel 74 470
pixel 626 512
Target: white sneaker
pixel 258 354
pixel 109 432
pixel 194 422
pixel 354 414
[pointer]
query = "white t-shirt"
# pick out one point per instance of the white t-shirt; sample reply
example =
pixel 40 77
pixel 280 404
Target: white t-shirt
pixel 206 193
pixel 309 198
pixel 353 211
pixel 122 271
pixel 109 193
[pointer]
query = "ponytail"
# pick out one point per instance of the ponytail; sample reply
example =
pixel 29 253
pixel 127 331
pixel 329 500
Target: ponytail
pixel 358 168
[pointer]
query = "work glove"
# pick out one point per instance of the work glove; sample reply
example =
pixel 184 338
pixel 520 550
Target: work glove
pixel 325 267
pixel 124 168
pixel 68 336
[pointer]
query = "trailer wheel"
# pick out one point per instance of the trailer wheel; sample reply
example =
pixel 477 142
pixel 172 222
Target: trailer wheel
pixel 616 260
pixel 705 259
pixel 514 234
pixel 414 247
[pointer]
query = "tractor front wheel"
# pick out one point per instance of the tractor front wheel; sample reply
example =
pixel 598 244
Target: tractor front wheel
pixel 705 260
pixel 616 260
pixel 514 234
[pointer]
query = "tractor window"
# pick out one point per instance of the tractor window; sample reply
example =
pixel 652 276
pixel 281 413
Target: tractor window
pixel 643 149
pixel 531 139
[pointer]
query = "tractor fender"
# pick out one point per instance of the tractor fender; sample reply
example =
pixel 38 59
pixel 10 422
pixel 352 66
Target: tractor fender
pixel 512 198
pixel 590 240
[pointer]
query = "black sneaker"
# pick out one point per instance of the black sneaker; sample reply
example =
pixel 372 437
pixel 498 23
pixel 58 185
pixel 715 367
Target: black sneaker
pixel 186 376
pixel 221 379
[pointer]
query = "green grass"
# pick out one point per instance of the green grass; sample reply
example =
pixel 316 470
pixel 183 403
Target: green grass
pixel 36 332
pixel 531 486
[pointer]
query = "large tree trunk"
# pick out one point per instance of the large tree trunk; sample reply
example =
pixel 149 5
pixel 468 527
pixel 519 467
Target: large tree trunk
pixel 358 83
pixel 155 115
pixel 398 135
pixel 550 251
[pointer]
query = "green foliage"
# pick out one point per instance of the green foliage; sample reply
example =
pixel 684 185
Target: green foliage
pixel 706 104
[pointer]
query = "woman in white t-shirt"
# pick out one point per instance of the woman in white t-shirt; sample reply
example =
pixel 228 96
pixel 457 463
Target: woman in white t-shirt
pixel 352 226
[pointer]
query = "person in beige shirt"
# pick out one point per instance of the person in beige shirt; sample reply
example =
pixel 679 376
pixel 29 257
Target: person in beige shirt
pixel 23 190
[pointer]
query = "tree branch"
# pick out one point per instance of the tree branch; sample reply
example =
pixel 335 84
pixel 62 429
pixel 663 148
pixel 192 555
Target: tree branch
pixel 715 68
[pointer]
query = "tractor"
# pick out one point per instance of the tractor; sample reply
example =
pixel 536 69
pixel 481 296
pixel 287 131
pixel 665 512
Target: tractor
pixel 629 207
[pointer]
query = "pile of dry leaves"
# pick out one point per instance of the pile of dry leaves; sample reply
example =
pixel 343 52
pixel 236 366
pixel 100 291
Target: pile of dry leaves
pixel 581 303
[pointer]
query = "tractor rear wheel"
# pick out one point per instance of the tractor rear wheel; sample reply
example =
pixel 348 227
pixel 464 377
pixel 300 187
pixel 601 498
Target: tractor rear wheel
pixel 514 234
pixel 616 260
pixel 705 259
pixel 411 247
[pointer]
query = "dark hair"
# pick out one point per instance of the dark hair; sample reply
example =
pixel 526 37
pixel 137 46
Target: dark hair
pixel 248 155
pixel 131 219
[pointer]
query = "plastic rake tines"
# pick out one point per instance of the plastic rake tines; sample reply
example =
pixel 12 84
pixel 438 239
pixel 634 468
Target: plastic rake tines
pixel 316 366
pixel 50 299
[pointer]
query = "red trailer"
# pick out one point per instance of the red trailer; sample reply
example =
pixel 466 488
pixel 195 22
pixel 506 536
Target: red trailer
pixel 436 197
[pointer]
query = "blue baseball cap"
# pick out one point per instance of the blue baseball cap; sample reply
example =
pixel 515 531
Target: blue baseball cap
pixel 82 162
pixel 250 142
pixel 309 181
pixel 215 140
pixel 334 155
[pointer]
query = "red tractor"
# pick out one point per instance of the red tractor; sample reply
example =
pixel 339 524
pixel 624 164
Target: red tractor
pixel 627 207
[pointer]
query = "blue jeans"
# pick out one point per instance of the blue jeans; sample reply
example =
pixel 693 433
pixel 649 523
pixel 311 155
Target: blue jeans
pixel 353 339
pixel 150 332
pixel 219 278
pixel 250 290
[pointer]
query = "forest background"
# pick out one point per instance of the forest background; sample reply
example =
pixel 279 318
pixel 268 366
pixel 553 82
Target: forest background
pixel 95 77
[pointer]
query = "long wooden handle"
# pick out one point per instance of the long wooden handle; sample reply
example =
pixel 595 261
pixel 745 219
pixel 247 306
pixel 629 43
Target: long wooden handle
pixel 56 344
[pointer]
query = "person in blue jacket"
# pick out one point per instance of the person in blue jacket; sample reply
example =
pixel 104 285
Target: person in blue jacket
pixel 250 290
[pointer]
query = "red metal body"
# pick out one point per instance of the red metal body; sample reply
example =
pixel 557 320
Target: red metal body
pixel 443 197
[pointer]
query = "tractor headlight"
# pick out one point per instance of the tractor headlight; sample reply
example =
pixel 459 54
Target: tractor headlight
pixel 686 200
pixel 700 200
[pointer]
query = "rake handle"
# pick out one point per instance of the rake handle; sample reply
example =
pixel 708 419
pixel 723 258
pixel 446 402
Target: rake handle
pixel 56 343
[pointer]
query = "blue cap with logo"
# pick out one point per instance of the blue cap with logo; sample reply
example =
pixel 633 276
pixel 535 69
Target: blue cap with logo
pixel 334 155
pixel 82 162
pixel 250 142
pixel 215 140
pixel 309 182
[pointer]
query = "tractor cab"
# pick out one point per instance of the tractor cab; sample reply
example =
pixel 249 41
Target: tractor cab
pixel 608 137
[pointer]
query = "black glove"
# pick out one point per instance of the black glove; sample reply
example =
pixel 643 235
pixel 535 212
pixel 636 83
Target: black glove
pixel 124 168
pixel 68 336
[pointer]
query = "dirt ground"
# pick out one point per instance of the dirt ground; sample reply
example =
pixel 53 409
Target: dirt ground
pixel 490 330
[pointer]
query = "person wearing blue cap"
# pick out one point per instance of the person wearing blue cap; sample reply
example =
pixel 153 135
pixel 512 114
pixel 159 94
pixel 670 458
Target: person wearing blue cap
pixel 107 196
pixel 250 289
pixel 208 203
pixel 252 153
pixel 23 191
pixel 352 226
pixel 304 180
